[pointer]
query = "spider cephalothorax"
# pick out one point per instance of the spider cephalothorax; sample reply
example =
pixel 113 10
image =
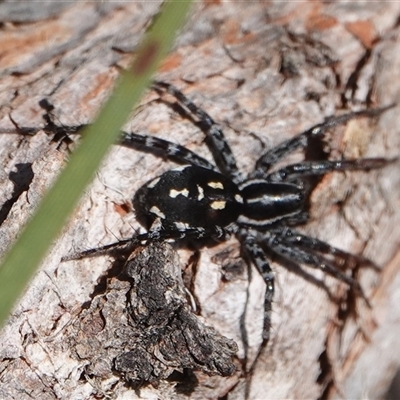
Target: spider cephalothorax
pixel 204 201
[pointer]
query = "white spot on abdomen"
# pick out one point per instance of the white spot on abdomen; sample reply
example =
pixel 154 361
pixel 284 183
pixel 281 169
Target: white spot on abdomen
pixel 215 185
pixel 218 204
pixel 153 183
pixel 174 193
pixel 155 210
pixel 201 193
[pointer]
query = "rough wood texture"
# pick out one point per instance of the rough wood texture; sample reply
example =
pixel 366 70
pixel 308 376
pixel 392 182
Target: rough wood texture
pixel 261 71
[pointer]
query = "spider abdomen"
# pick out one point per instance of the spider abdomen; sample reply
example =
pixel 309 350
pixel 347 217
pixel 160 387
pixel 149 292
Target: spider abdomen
pixel 189 196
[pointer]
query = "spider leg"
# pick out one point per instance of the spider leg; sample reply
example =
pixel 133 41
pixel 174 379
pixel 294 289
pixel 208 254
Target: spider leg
pixel 257 256
pixel 272 156
pixel 160 234
pixel 215 138
pixel 278 244
pixel 347 260
pixel 100 250
pixel 164 148
pixel 59 132
pixel 294 171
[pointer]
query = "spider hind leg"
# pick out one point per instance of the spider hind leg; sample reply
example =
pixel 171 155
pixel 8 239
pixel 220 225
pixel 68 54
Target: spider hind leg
pixel 215 139
pixel 165 149
pixel 157 234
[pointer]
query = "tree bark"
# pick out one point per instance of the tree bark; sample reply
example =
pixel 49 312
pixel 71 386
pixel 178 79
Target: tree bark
pixel 265 71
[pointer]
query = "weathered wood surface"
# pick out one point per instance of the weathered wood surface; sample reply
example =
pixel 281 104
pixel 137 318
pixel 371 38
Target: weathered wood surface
pixel 251 67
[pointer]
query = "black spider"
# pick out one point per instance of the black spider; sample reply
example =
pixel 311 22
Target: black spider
pixel 204 201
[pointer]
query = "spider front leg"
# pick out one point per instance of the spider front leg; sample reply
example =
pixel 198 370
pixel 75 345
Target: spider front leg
pixel 215 138
pixel 295 171
pixel 257 257
pixel 279 244
pixel 272 156
pixel 342 259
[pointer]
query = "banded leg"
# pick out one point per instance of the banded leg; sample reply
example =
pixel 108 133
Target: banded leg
pixel 347 260
pixel 258 258
pixel 164 148
pixel 272 156
pixel 59 132
pixel 294 171
pixel 278 244
pixel 215 138
pixel 159 234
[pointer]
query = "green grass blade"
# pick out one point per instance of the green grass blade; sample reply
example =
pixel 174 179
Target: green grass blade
pixel 23 259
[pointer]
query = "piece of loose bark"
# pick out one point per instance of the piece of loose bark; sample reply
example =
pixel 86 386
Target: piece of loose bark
pixel 143 328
